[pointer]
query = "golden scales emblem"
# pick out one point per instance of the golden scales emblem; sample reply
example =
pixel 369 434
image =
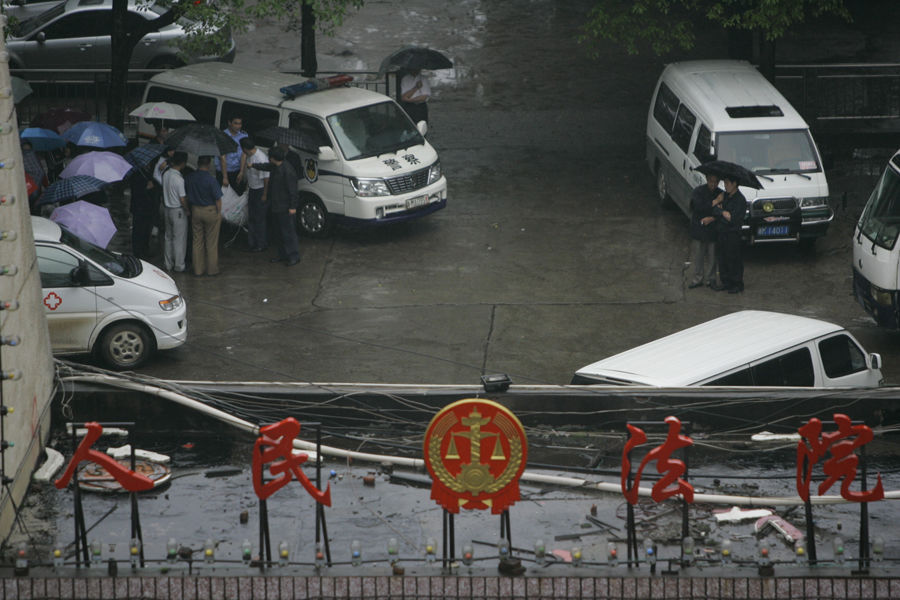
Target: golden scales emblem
pixel 475 451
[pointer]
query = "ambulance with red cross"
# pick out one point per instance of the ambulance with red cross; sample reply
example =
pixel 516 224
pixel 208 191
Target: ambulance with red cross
pixel 115 306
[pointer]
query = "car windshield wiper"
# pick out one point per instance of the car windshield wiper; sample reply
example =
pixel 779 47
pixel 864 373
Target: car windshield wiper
pixel 786 172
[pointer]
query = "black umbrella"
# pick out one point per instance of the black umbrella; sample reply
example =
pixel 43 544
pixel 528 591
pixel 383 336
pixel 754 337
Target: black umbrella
pixel 729 170
pixel 413 59
pixel 201 139
pixel 291 137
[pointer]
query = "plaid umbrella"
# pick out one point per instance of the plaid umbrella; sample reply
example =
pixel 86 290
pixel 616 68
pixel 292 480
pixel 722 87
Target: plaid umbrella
pixel 142 156
pixel 95 134
pixel 201 139
pixel 107 166
pixel 291 137
pixel 71 188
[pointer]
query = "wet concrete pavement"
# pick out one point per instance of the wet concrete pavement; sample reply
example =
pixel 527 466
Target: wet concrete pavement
pixel 553 250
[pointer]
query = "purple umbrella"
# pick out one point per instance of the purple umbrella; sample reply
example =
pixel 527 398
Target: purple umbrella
pixel 94 134
pixel 88 221
pixel 107 166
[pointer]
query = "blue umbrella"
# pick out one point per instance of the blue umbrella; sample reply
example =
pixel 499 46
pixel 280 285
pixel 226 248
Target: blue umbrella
pixel 71 188
pixel 95 134
pixel 42 140
pixel 142 156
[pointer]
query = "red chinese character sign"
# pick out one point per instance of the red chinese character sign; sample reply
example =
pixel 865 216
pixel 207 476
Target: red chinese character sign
pixel 275 445
pixel 842 444
pixel 475 451
pixel 670 468
pixel 128 479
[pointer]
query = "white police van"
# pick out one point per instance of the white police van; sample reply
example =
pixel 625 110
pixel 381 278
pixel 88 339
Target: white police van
pixel 118 307
pixel 364 162
pixel 726 110
pixel 876 253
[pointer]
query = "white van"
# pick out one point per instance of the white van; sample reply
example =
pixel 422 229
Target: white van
pixel 118 307
pixel 367 163
pixel 726 110
pixel 876 253
pixel 746 348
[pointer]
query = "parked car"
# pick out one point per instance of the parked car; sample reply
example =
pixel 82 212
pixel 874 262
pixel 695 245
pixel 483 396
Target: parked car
pixel 118 307
pixel 77 34
pixel 746 348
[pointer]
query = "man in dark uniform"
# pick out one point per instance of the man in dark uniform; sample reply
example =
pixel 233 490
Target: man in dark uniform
pixel 283 201
pixel 729 212
pixel 704 232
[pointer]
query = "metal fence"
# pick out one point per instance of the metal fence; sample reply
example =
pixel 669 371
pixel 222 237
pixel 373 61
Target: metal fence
pixel 840 100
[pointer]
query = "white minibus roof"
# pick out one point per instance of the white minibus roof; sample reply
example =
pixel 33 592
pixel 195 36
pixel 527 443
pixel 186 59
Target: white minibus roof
pixel 711 86
pixel 709 349
pixel 262 87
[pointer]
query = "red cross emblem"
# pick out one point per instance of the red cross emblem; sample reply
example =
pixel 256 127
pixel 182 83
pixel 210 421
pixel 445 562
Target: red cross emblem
pixel 52 301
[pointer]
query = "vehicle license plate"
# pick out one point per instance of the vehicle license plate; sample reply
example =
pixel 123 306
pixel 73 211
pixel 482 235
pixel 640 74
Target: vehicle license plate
pixel 416 202
pixel 772 230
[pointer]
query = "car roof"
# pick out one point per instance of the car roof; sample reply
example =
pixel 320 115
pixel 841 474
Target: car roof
pixel 262 87
pixel 45 230
pixel 713 348
pixel 714 85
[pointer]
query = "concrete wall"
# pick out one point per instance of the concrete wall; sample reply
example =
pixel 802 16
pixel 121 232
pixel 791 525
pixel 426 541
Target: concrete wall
pixel 28 425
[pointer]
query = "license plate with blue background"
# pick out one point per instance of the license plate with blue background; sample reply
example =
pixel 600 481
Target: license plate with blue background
pixel 773 230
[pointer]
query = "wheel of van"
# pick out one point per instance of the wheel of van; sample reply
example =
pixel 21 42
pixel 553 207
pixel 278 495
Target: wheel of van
pixel 124 346
pixel 662 185
pixel 312 218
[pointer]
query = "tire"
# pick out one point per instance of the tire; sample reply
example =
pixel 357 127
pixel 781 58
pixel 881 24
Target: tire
pixel 662 186
pixel 312 218
pixel 124 346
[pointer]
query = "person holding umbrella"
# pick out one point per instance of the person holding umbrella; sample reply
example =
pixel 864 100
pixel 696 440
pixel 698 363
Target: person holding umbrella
pixel 414 95
pixel 728 210
pixel 704 232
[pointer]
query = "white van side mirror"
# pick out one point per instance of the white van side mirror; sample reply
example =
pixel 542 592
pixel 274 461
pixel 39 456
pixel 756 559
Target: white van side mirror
pixel 875 358
pixel 327 153
pixel 422 126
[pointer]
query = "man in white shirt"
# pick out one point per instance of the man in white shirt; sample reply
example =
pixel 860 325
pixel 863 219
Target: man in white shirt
pixel 176 210
pixel 258 182
pixel 414 94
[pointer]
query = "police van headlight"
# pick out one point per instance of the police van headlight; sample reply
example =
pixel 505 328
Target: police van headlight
pixel 434 173
pixel 369 187
pixel 814 202
pixel 170 304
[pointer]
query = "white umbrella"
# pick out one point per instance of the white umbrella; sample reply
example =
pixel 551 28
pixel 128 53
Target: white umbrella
pixel 162 110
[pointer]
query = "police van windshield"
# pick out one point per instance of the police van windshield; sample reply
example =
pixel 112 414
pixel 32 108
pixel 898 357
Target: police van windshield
pixel 116 264
pixel 769 151
pixel 373 130
pixel 880 221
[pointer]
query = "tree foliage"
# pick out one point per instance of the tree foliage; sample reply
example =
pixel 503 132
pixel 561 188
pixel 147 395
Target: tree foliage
pixel 665 25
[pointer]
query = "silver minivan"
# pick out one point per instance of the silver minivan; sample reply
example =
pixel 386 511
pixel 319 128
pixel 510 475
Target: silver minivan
pixel 76 34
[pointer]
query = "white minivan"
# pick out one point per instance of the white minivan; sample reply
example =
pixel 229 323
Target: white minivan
pixel 746 348
pixel 726 110
pixel 116 306
pixel 364 162
pixel 876 253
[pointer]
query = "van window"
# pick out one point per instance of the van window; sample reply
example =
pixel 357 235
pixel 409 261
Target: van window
pixel 56 267
pixel 791 369
pixel 841 356
pixel 202 107
pixel 310 128
pixel 703 146
pixel 741 377
pixel 684 127
pixel 665 107
pixel 255 118
pixel 880 221
pixel 769 151
pixel 374 129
